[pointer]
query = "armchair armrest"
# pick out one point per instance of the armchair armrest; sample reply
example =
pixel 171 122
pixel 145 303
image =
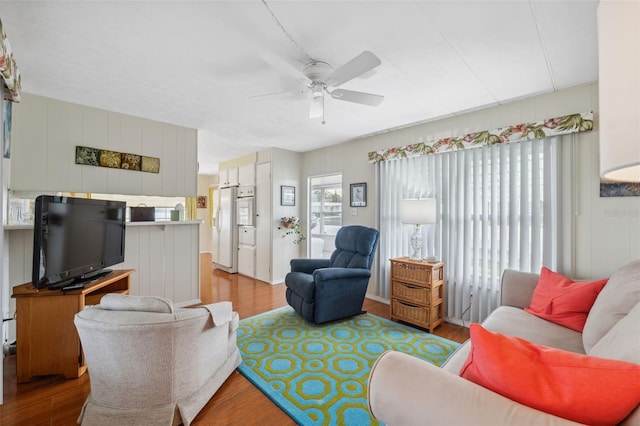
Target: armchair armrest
pixel 404 390
pixel 516 288
pixel 221 312
pixel 326 274
pixel 307 266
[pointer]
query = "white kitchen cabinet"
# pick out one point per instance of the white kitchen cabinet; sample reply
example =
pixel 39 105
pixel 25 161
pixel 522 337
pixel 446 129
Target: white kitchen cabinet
pixel 228 177
pixel 247 235
pixel 247 260
pixel 247 251
pixel 247 174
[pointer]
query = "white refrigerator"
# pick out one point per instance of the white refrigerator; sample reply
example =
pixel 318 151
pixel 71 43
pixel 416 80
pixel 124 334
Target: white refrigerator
pixel 225 250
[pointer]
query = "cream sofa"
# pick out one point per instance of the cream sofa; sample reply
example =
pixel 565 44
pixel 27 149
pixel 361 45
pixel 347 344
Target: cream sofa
pixel 151 363
pixel 404 390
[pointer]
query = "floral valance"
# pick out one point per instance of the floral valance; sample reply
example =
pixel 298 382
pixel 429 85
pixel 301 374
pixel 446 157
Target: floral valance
pixel 519 132
pixel 9 69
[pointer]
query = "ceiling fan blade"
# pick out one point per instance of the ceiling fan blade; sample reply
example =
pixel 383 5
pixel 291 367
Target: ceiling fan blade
pixel 357 66
pixel 283 66
pixel 317 107
pixel 288 89
pixel 265 95
pixel 357 97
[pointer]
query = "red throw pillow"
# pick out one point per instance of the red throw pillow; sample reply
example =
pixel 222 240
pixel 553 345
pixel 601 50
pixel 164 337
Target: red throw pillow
pixel 559 299
pixel 581 388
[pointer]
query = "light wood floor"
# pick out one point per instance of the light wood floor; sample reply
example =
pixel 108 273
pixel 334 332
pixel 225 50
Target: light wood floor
pixel 54 400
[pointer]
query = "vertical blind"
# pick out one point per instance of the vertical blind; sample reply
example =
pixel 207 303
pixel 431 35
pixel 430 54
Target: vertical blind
pixel 498 208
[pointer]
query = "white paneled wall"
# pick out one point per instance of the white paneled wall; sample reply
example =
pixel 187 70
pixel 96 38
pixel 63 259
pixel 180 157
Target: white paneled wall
pixel 19 258
pixel 46 132
pixel 166 259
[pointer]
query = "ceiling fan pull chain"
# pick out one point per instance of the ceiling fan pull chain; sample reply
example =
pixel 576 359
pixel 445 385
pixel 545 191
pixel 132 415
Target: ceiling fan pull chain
pixel 323 122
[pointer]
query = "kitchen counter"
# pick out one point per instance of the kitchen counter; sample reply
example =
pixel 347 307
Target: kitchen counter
pixel 129 224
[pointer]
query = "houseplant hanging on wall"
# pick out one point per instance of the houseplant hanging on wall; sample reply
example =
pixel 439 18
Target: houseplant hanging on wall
pixel 292 225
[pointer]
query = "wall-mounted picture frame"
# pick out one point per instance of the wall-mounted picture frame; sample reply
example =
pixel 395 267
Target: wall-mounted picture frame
pixel 619 189
pixel 287 195
pixel 201 202
pixel 358 194
pixel 116 160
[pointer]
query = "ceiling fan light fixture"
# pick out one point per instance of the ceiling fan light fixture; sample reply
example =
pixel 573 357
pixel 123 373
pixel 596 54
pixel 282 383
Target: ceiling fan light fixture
pixel 317 89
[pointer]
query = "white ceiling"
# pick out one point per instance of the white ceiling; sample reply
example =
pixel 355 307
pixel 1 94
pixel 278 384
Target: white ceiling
pixel 198 63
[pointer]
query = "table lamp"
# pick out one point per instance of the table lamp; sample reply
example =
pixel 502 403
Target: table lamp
pixel 418 212
pixel 619 90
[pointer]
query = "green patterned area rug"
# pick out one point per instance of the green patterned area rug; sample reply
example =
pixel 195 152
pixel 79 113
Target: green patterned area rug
pixel 318 373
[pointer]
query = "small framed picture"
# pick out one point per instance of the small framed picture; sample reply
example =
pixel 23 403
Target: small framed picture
pixel 287 195
pixel 201 202
pixel 358 194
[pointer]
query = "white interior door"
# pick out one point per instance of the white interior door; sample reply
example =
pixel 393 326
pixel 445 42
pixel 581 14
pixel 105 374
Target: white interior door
pixel 264 222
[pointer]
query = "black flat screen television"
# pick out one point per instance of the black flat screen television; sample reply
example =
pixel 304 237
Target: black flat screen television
pixel 74 239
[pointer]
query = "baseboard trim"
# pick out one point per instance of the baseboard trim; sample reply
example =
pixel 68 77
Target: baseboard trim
pixel 377 298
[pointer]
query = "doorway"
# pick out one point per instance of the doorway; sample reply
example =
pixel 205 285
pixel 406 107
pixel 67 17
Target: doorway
pixel 325 214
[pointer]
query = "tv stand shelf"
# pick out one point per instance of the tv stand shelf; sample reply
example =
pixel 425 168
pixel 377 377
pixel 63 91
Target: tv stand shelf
pixel 46 338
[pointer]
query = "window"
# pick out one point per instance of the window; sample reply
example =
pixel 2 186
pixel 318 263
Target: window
pixel 498 207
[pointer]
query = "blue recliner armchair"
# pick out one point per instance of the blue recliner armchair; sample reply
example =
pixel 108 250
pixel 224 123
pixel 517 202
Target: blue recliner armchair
pixel 322 290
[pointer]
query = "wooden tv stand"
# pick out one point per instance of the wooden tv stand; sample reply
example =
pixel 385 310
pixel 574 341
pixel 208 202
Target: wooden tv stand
pixel 46 337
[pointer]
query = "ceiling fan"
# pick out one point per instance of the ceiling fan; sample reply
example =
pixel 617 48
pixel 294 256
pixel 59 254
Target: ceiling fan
pixel 319 78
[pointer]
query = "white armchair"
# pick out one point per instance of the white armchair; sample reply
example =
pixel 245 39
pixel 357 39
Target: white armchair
pixel 151 363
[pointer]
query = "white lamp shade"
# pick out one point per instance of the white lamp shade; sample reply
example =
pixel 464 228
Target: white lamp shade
pixel 418 211
pixel 619 87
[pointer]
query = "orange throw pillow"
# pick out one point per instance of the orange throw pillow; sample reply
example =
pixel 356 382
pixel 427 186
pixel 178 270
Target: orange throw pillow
pixel 581 388
pixel 559 299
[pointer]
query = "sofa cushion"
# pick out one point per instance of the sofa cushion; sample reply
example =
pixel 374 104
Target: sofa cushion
pixel 569 385
pixel 623 340
pixel 516 322
pixel 616 300
pixel 561 300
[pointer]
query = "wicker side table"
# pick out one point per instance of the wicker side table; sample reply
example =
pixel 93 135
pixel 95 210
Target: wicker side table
pixel 417 292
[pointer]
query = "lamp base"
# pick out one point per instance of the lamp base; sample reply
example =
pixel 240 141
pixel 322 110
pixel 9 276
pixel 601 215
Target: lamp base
pixel 416 244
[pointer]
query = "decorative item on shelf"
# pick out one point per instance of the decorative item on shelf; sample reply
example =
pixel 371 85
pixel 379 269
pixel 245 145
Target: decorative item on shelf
pixel 142 213
pixel 292 223
pixel 418 212
pixel 177 214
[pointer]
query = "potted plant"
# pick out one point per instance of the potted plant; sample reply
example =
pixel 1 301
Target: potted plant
pixel 292 224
